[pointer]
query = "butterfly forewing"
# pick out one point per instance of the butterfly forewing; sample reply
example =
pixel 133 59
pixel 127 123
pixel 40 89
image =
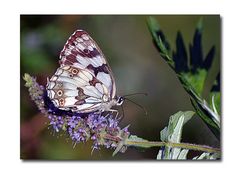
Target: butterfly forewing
pixel 84 78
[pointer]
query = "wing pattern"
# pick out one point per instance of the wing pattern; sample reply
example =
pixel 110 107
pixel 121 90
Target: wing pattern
pixel 84 80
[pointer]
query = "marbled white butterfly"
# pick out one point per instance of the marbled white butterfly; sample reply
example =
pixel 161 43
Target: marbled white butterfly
pixel 84 82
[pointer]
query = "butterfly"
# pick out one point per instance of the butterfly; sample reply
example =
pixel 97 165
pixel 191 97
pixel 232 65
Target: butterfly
pixel 84 82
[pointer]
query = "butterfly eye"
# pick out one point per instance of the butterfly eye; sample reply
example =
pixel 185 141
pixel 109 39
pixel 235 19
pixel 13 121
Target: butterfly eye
pixel 120 100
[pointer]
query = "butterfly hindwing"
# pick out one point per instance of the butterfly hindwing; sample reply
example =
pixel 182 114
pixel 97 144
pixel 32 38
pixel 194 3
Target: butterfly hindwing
pixel 83 78
pixel 70 89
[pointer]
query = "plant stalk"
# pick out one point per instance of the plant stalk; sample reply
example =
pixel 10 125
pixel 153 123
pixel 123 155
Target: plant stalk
pixel 189 146
pixel 148 144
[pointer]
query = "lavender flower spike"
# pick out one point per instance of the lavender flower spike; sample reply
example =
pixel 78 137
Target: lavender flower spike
pixel 103 131
pixel 35 91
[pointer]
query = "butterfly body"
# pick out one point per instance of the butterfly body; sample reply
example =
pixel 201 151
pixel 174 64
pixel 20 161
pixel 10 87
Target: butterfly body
pixel 84 82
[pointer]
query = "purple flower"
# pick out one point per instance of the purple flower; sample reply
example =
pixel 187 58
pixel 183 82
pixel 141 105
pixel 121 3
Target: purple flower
pixel 102 130
pixel 56 122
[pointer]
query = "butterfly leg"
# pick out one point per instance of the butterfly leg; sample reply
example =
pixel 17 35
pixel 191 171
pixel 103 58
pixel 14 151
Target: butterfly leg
pixel 116 111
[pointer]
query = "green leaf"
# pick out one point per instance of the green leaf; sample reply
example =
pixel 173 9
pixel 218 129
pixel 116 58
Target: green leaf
pixel 183 154
pixel 160 155
pixel 159 39
pixel 191 77
pixel 175 124
pixel 211 119
pixel 164 134
pixel 207 156
pixel 215 102
pixel 196 80
pixel 154 27
pixel 140 140
pixel 173 134
pixel 215 95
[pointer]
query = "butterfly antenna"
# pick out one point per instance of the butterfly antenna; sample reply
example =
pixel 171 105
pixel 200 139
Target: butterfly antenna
pixel 122 114
pixel 138 105
pixel 138 93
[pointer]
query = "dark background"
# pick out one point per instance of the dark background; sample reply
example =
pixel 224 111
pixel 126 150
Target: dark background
pixel 137 67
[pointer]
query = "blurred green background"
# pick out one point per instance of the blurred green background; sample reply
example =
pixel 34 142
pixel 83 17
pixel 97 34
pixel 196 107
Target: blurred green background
pixel 137 67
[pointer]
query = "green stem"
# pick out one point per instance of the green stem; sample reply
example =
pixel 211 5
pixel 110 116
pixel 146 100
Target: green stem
pixel 148 144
